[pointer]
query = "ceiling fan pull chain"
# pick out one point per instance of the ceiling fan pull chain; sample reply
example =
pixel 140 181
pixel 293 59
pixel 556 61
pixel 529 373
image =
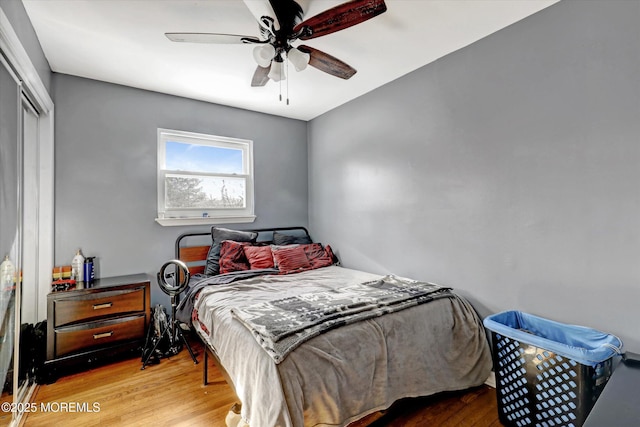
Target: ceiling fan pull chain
pixel 287 74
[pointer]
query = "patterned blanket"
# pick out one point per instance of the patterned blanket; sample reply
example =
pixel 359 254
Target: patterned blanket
pixel 281 325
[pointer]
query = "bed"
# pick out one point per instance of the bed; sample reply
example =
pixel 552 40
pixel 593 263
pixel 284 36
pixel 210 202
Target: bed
pixel 361 341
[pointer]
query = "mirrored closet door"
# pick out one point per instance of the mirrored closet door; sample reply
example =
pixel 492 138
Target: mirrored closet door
pixel 10 226
pixel 19 239
pixel 28 292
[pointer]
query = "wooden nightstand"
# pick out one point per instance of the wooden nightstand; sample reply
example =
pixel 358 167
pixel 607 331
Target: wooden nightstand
pixel 97 323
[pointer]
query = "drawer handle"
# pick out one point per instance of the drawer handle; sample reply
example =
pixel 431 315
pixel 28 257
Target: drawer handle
pixel 102 335
pixel 100 306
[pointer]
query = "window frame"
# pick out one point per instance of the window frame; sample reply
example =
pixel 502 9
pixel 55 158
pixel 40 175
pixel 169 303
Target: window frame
pixel 176 216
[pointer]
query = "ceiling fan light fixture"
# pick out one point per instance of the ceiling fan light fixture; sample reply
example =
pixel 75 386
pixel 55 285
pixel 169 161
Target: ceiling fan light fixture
pixel 264 54
pixel 299 59
pixel 281 23
pixel 276 73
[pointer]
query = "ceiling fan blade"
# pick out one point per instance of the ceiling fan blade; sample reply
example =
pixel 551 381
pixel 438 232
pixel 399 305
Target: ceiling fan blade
pixel 260 77
pixel 340 17
pixel 260 9
pixel 327 63
pixel 211 38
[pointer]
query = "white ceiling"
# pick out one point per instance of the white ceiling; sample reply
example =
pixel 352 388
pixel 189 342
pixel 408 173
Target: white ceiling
pixel 123 42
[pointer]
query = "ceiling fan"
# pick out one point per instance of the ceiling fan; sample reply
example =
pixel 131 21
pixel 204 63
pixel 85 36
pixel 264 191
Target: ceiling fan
pixel 278 30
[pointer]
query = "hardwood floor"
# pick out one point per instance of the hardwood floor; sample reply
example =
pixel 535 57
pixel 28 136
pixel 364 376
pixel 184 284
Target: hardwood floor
pixel 472 408
pixel 171 394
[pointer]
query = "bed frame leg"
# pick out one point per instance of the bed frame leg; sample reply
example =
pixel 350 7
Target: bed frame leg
pixel 205 376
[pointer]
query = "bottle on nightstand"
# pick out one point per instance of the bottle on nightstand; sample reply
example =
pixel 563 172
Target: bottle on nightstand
pixel 77 267
pixel 89 271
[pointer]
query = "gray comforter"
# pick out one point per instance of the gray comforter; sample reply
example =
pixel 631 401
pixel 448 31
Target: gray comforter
pixel 200 281
pixel 347 372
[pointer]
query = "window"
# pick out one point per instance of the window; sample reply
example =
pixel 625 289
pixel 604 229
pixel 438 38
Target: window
pixel 204 179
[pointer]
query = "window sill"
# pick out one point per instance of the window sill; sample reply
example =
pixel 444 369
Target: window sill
pixel 177 221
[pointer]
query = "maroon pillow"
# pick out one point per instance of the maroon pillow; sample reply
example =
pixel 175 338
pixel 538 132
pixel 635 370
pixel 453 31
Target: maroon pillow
pixel 330 254
pixel 291 259
pixel 259 256
pixel 232 257
pixel 317 255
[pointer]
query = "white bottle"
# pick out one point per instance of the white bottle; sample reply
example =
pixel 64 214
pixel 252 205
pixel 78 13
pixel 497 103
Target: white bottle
pixel 77 267
pixel 7 271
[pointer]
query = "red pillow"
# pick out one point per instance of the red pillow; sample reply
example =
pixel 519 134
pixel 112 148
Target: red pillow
pixel 330 254
pixel 291 259
pixel 232 256
pixel 275 248
pixel 259 256
pixel 317 255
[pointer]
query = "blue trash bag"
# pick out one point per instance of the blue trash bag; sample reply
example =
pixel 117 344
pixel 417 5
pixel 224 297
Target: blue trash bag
pixel 584 345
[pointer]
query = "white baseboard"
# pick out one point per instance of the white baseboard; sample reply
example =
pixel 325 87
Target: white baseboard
pixel 491 380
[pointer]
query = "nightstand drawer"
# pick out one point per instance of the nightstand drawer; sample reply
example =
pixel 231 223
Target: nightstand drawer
pixel 85 336
pixel 102 304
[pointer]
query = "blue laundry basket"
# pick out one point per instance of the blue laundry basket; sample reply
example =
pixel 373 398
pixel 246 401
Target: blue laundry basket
pixel 548 374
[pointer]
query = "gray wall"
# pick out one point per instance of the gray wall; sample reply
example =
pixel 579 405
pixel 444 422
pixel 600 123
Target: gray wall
pixel 106 143
pixel 17 16
pixel 509 170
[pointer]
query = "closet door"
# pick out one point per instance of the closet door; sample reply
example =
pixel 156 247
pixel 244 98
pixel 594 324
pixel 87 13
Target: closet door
pixel 10 220
pixel 27 292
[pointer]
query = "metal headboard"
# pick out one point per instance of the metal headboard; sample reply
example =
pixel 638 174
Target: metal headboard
pixel 263 231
